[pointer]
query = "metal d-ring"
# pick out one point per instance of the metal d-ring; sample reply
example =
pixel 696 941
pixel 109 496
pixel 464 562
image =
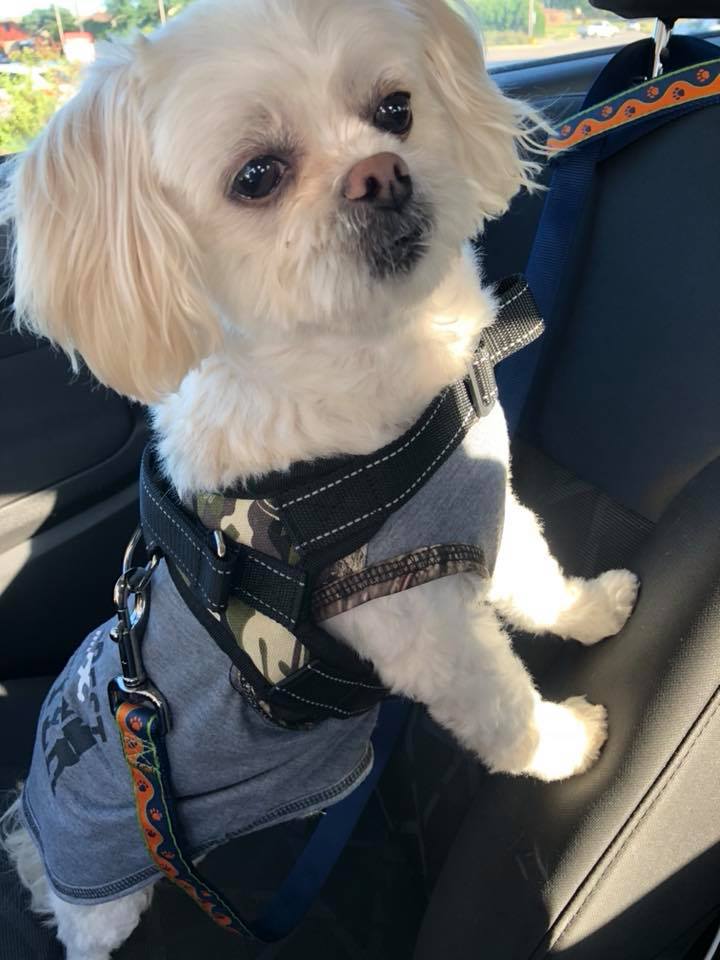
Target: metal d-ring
pixel 129 556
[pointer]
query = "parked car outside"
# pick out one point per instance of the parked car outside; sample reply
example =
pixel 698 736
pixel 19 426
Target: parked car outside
pixel 598 28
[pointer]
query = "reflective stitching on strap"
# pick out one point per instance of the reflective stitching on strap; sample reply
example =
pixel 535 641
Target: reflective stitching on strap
pixel 225 573
pixel 298 580
pixel 506 303
pixel 148 491
pixel 391 503
pixel 368 466
pixel 193 579
pixel 246 593
pixel 497 354
pixel 350 683
pixel 375 463
pixel 316 703
pixel 265 505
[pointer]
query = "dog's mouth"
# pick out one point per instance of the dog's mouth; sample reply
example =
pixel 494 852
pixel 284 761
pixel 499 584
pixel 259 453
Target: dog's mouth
pixel 391 242
pixel 405 251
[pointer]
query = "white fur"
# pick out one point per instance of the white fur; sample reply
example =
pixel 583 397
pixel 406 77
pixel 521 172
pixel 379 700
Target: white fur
pixel 531 592
pixel 262 338
pixel 92 933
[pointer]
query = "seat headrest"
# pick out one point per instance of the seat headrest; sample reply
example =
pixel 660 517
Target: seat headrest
pixel 664 9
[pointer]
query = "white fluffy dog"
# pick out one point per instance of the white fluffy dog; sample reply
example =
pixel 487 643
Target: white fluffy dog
pixel 185 224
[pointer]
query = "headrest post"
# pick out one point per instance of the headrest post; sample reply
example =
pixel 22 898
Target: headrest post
pixel 663 32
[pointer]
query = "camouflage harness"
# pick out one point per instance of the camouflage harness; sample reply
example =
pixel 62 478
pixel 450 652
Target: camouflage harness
pixel 283 554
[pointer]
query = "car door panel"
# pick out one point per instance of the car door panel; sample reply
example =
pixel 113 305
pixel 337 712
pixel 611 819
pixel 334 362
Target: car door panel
pixel 69 453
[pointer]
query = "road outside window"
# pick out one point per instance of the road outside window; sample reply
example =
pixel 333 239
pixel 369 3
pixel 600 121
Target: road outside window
pixel 519 31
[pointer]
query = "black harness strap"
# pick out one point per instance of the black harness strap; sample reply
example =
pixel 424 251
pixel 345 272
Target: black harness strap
pixel 518 322
pixel 350 504
pixel 261 581
pixel 333 510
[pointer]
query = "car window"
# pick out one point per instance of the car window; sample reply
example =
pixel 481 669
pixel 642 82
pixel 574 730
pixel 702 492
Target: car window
pixel 43 49
pixel 537 33
pixel 518 31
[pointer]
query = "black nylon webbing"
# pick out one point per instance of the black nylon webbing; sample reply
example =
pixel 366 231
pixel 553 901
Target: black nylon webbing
pixel 348 505
pixel 267 584
pixel 518 322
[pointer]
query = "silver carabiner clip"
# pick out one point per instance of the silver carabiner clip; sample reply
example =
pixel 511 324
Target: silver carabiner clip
pixel 132 606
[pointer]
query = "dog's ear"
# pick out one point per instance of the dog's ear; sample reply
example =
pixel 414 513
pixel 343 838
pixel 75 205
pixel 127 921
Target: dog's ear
pixel 105 265
pixel 492 133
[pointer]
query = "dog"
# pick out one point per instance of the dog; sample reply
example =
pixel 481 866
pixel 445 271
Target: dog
pixel 255 221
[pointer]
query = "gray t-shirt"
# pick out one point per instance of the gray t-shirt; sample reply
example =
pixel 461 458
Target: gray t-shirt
pixel 234 770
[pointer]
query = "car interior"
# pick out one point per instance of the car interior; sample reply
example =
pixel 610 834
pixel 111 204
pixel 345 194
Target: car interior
pixel 620 457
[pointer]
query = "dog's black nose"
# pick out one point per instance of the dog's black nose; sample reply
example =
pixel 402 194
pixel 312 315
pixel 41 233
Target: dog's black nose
pixel 383 180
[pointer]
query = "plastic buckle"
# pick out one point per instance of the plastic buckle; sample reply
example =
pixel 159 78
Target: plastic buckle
pixel 480 381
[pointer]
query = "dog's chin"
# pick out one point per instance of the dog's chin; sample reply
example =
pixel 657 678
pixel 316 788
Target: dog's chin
pixel 397 257
pixel 392 243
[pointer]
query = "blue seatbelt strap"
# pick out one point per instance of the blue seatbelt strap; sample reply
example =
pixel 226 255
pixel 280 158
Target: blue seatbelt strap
pixel 568 195
pixel 302 885
pixel 612 117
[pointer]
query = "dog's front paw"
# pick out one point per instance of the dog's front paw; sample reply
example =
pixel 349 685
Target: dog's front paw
pixel 571 735
pixel 604 606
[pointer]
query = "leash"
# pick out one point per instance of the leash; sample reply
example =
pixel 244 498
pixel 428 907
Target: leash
pixel 142 737
pixel 678 92
pixel 211 576
pixel 144 719
pixel 612 118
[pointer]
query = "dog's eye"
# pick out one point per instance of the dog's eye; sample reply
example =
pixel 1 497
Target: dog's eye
pixel 257 179
pixel 394 114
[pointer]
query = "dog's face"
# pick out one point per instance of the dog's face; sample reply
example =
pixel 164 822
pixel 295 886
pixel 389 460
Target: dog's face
pixel 318 156
pixel 281 164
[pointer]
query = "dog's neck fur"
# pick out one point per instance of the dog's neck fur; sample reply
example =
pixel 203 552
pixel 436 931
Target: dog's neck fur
pixel 258 407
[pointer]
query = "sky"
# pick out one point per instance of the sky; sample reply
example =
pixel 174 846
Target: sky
pixel 18 8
